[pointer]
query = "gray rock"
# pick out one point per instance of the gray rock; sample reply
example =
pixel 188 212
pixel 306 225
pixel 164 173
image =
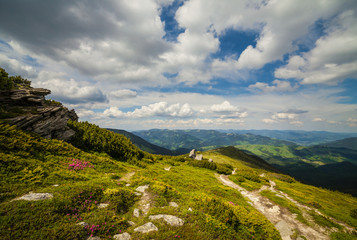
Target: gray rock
pixel 93 238
pixel 170 219
pixel 136 212
pixel 190 209
pixel 131 223
pixel 199 157
pixel 192 154
pixel 167 169
pixel 210 160
pixel 142 189
pixel 147 227
pixel 35 196
pixel 83 224
pixel 137 194
pixel 173 204
pixel 123 236
pixel 103 205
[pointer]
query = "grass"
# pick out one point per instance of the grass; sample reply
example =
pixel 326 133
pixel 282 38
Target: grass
pixel 332 203
pixel 29 163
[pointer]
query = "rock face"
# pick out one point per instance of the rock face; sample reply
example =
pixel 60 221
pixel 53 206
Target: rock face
pixel 28 110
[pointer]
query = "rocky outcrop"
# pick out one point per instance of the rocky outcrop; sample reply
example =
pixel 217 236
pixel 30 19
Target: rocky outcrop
pixel 29 110
pixel 192 154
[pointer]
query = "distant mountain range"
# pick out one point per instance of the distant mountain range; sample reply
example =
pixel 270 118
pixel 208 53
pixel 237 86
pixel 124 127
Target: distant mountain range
pixel 204 139
pixel 299 137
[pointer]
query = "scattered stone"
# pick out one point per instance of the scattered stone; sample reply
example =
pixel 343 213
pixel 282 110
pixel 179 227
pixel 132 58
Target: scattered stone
pixel 123 236
pixel 137 194
pixel 199 157
pixel 35 196
pixel 131 223
pixel 147 227
pixel 93 238
pixel 190 209
pixel 83 224
pixel 234 171
pixel 210 160
pixel 128 184
pixel 56 185
pixel 192 154
pixel 167 169
pixel 103 205
pixel 173 204
pixel 136 212
pixel 142 189
pixel 170 219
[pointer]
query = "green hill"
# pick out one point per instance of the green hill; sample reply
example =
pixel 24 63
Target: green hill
pixel 313 165
pixel 350 143
pixel 144 145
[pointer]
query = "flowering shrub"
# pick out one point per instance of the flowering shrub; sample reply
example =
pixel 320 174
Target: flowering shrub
pixel 105 229
pixel 83 202
pixel 77 165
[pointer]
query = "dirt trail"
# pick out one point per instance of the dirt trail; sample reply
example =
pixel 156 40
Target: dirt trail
pixel 284 221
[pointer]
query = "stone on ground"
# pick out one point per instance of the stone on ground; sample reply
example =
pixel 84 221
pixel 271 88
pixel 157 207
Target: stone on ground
pixel 142 189
pixel 136 212
pixel 103 205
pixel 147 227
pixel 170 219
pixel 35 196
pixel 123 236
pixel 173 204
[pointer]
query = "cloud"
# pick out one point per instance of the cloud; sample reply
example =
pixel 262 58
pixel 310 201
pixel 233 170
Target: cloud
pixel 16 67
pixel 123 93
pixel 277 86
pixel 226 110
pixel 68 90
pixel 117 39
pixel 269 121
pixel 332 59
pixel 352 122
pixel 160 109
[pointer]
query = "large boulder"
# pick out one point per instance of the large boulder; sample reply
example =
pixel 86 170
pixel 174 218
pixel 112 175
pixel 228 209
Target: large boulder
pixel 192 154
pixel 199 157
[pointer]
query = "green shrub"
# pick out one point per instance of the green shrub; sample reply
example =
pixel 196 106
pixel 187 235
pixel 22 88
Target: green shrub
pixel 353 213
pixel 121 200
pixel 221 169
pixel 90 137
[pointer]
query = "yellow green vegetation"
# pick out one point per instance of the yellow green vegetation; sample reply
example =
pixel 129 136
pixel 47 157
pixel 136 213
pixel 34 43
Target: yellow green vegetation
pixel 87 174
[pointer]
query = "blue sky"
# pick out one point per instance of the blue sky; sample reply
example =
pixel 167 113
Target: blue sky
pixel 228 64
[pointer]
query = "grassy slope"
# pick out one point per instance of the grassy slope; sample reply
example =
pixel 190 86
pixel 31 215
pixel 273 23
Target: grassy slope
pixel 29 163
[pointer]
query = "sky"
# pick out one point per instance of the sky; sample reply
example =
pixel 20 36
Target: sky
pixel 202 64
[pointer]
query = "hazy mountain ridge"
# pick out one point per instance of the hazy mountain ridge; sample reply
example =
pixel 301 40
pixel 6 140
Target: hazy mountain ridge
pixel 298 136
pixel 350 143
pixel 203 139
